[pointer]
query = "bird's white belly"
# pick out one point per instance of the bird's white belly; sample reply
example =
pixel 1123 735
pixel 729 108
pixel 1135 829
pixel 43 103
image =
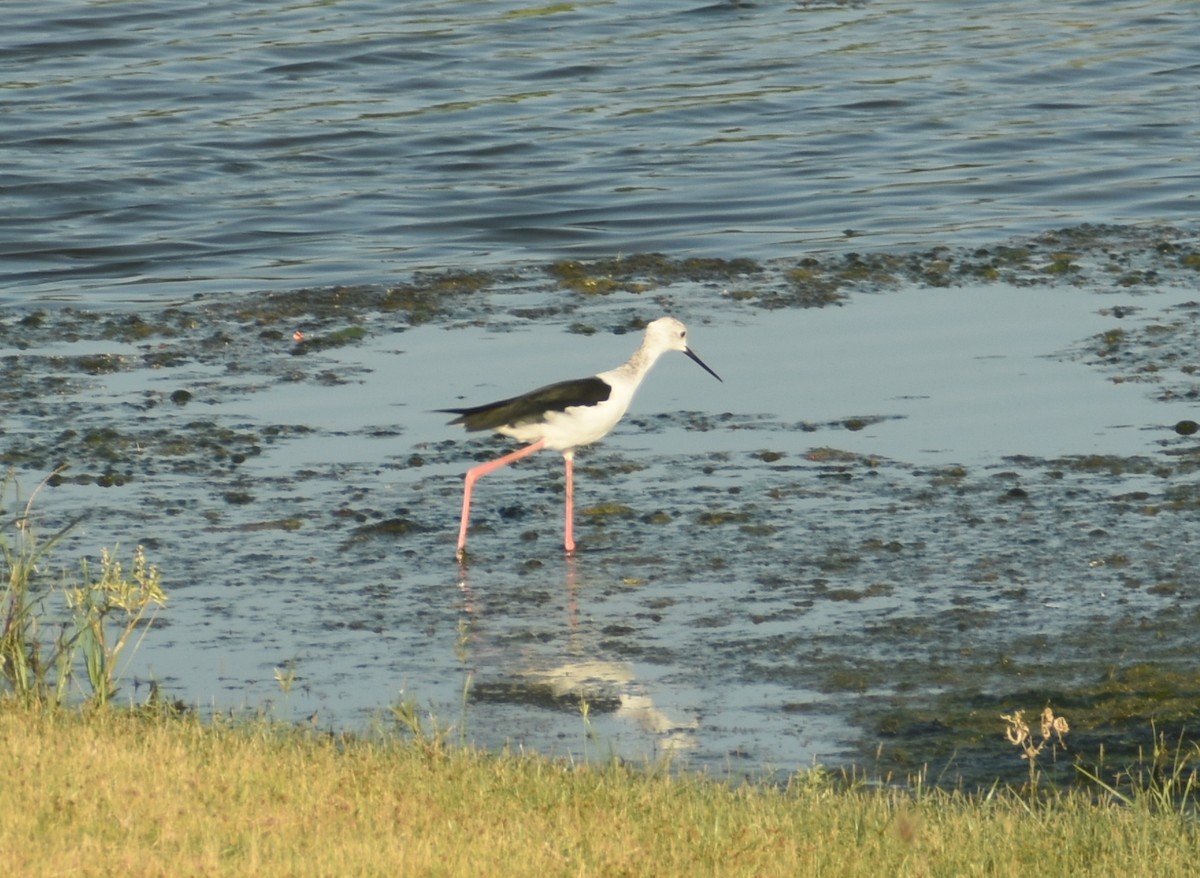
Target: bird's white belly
pixel 573 427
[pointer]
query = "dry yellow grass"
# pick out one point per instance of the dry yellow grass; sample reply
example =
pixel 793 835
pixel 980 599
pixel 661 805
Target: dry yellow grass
pixel 110 793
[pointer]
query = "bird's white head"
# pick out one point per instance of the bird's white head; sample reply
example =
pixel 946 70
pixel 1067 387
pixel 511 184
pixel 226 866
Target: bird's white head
pixel 668 334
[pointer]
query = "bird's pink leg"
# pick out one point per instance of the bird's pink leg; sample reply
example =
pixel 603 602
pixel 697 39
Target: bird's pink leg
pixel 475 474
pixel 569 540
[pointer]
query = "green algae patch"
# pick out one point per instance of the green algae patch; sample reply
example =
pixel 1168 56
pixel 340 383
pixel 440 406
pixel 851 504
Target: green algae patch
pixel 584 279
pixel 94 364
pixel 1159 353
pixel 399 526
pixel 607 510
pixel 134 328
pixel 336 339
pixel 716 518
pixel 639 273
pixel 1063 263
pixel 281 524
pixel 768 456
pixel 137 449
pixel 424 297
pixel 1104 256
pixel 657 517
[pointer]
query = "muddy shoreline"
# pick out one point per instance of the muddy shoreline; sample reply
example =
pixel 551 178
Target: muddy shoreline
pixel 878 610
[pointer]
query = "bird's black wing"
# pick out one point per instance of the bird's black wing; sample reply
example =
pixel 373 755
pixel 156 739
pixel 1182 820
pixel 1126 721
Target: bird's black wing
pixel 529 408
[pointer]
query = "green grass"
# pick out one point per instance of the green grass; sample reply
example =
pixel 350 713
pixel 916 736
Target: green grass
pixel 101 791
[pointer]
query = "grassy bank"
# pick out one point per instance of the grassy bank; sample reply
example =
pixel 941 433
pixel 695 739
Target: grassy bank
pixel 103 791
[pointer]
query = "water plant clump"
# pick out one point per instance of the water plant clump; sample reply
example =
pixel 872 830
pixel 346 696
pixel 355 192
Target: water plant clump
pixel 65 636
pixel 106 611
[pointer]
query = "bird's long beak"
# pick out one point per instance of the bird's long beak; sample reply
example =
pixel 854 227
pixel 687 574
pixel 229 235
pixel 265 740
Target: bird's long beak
pixel 692 354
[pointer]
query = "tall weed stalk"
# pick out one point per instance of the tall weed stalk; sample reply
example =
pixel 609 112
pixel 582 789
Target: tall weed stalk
pixel 104 611
pixel 24 664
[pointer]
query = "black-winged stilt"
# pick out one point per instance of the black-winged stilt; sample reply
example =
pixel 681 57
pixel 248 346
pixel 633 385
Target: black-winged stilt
pixel 568 414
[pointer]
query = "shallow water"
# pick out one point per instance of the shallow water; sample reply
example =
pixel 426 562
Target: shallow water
pixel 152 153
pixel 868 522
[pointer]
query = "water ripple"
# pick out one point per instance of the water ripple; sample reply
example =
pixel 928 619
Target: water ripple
pixel 249 145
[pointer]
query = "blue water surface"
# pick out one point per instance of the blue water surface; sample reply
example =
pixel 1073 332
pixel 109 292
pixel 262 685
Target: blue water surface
pixel 153 150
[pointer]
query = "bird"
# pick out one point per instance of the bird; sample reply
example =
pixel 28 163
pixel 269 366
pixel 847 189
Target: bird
pixel 567 415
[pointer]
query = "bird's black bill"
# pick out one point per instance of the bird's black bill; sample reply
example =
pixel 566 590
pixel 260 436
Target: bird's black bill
pixel 692 354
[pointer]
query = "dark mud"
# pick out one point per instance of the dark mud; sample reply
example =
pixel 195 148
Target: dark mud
pixel 753 589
